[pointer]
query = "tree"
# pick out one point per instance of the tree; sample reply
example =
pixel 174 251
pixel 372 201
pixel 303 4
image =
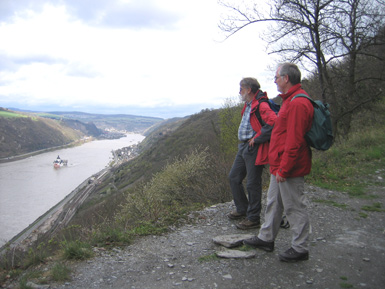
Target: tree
pixel 230 117
pixel 329 38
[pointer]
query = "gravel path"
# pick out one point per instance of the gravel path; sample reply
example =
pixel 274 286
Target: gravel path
pixel 347 251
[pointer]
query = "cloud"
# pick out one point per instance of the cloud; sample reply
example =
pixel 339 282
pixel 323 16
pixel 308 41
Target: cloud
pixel 12 8
pixel 123 14
pixel 112 13
pixel 81 70
pixel 120 54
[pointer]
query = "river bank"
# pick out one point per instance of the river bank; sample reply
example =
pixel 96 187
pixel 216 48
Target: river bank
pixel 34 153
pixel 32 187
pixel 60 214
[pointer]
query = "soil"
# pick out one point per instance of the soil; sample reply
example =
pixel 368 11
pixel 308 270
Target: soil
pixel 347 251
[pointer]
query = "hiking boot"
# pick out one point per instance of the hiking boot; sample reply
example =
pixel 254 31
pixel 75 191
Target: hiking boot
pixel 260 244
pixel 234 215
pixel 284 223
pixel 292 255
pixel 246 224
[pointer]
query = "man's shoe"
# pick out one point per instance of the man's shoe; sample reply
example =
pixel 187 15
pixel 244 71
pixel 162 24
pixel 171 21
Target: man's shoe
pixel 246 224
pixel 234 215
pixel 284 223
pixel 292 255
pixel 260 244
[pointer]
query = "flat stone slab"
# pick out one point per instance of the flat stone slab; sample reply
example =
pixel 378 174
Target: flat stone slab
pixel 235 254
pixel 230 241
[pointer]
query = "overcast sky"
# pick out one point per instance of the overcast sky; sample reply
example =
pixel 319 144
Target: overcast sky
pixel 163 58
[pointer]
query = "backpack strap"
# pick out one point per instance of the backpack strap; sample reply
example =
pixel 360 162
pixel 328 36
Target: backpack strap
pixel 305 96
pixel 257 113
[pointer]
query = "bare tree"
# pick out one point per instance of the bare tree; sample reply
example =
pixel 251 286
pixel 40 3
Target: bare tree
pixel 326 37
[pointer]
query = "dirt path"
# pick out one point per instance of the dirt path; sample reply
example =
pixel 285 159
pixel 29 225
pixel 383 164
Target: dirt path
pixel 347 251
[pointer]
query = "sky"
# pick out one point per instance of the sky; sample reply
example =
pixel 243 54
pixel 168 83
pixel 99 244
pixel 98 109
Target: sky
pixel 161 58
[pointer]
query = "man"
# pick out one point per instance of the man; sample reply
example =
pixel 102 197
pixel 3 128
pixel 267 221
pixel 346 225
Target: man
pixel 252 154
pixel 290 161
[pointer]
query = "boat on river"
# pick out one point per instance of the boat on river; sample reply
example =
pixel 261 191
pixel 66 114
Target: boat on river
pixel 59 162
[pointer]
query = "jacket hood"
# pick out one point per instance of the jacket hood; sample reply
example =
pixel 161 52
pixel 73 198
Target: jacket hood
pixel 260 94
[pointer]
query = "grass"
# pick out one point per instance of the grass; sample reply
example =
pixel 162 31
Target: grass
pixel 346 167
pixel 36 256
pixel 345 285
pixel 10 114
pixel 60 272
pixel 76 250
pixel 331 203
pixel 375 207
pixel 111 235
pixel 363 215
pixel 208 258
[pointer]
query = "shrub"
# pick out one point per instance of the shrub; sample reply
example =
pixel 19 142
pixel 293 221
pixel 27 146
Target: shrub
pixel 60 272
pixel 180 184
pixel 76 250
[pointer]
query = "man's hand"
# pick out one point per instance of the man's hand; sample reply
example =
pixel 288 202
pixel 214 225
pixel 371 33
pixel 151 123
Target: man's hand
pixel 280 179
pixel 251 142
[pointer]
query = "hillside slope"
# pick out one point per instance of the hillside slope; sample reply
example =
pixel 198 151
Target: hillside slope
pixel 172 140
pixel 131 123
pixel 21 133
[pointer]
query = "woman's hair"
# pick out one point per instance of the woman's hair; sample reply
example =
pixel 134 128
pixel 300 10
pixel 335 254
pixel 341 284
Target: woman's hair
pixel 250 82
pixel 292 71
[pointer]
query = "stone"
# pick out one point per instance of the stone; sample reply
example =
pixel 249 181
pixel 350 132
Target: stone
pixel 37 286
pixel 230 241
pixel 236 254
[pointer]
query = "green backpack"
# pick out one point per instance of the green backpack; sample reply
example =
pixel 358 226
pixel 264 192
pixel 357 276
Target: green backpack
pixel 320 136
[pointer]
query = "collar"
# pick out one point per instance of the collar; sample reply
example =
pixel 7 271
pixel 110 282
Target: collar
pixel 291 91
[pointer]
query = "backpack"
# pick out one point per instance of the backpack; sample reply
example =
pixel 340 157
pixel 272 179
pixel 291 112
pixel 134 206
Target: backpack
pixel 320 136
pixel 274 107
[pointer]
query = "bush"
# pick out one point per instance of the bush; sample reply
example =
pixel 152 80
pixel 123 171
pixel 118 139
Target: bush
pixel 76 250
pixel 179 185
pixel 109 233
pixel 60 272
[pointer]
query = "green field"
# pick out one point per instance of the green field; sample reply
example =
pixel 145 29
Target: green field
pixel 10 114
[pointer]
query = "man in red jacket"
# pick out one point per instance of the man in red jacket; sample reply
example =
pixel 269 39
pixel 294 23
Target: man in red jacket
pixel 252 154
pixel 290 161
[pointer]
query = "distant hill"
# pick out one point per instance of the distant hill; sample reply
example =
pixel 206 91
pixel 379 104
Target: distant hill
pixel 28 131
pixel 22 133
pixel 173 139
pixel 127 122
pixel 170 140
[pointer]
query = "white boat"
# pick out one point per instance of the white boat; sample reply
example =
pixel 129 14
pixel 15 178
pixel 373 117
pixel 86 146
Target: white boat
pixel 59 162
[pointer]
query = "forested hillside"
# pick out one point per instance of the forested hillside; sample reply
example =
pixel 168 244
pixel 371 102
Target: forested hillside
pixel 23 133
pixel 131 123
pixel 183 141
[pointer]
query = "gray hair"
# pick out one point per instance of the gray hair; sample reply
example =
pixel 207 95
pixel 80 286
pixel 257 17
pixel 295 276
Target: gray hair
pixel 292 71
pixel 250 82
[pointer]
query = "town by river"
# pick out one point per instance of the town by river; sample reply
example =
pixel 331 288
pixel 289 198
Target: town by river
pixel 32 186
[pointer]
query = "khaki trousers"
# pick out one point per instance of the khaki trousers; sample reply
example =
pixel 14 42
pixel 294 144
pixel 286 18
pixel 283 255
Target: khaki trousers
pixel 287 196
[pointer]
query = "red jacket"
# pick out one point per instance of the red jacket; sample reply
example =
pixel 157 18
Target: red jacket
pixel 269 117
pixel 289 153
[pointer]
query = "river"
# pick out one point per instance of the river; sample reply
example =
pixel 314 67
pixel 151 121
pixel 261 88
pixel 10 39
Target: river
pixel 32 186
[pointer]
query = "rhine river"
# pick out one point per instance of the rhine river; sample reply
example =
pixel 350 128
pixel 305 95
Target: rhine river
pixel 32 186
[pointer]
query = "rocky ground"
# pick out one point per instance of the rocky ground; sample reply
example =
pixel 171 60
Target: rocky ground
pixel 347 251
